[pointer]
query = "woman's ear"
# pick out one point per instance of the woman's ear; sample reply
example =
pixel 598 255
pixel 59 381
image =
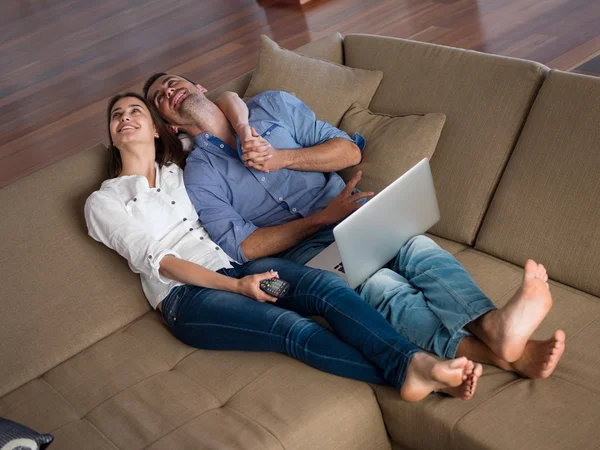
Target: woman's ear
pixel 173 129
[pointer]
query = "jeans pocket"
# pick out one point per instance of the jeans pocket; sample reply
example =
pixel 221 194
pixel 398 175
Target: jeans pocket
pixel 172 304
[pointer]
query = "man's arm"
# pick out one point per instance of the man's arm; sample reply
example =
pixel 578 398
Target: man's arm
pixel 268 241
pixel 330 156
pixel 324 148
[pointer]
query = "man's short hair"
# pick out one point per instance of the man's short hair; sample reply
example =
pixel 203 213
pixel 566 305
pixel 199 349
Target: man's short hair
pixel 150 81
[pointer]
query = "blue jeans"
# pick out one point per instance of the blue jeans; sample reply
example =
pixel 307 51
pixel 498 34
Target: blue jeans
pixel 424 292
pixel 362 346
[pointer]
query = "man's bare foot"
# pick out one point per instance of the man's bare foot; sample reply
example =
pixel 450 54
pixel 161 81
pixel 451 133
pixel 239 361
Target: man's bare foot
pixel 426 374
pixel 507 330
pixel 540 358
pixel 467 389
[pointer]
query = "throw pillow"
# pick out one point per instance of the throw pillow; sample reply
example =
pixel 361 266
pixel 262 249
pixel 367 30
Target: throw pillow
pixel 16 436
pixel 327 88
pixel 394 144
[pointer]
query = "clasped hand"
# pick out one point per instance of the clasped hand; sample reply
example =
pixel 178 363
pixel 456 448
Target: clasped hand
pixel 259 154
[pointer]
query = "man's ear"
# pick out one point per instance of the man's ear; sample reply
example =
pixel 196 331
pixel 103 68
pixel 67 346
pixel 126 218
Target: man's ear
pixel 202 88
pixel 173 129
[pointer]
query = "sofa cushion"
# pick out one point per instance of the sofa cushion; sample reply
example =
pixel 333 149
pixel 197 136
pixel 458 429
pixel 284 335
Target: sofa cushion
pixel 440 423
pixel 66 291
pixel 142 388
pixel 327 88
pixel 547 206
pixel 328 48
pixel 485 98
pixel 394 144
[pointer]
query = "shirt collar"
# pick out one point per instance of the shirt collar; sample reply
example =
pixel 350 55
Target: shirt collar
pixel 212 144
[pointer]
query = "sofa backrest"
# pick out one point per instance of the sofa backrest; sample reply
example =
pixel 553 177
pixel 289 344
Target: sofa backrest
pixel 547 206
pixel 486 99
pixel 61 290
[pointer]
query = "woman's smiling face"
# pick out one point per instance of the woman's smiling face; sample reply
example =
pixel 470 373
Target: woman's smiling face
pixel 130 121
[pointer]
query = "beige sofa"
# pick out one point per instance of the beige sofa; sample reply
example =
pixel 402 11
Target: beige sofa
pixel 517 172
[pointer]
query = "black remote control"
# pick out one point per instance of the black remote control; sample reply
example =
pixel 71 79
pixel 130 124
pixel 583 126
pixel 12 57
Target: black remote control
pixel 275 287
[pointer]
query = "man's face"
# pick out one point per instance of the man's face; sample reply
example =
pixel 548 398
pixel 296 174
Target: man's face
pixel 177 100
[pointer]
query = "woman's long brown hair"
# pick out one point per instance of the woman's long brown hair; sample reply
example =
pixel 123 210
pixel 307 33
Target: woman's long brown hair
pixel 167 146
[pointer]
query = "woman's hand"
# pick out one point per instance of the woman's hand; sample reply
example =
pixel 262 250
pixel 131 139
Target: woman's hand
pixel 250 286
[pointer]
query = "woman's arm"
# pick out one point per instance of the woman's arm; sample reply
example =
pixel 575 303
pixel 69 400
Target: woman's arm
pixel 109 223
pixel 189 273
pixel 236 112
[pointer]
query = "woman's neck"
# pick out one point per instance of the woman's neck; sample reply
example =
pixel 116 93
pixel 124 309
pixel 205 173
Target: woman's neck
pixel 139 160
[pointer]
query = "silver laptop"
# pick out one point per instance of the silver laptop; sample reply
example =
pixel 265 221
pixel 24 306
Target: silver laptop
pixel 373 235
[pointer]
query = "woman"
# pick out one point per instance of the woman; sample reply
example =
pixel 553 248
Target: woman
pixel 211 302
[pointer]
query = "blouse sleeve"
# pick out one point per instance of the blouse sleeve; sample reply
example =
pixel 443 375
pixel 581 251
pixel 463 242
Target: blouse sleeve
pixel 109 222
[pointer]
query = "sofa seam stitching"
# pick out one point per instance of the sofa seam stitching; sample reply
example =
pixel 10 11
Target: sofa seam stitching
pixel 121 391
pixel 194 382
pixel 148 347
pixel 258 424
pixel 251 381
pixel 178 427
pixel 101 433
pixel 452 433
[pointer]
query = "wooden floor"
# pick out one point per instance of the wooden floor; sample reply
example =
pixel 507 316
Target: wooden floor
pixel 62 59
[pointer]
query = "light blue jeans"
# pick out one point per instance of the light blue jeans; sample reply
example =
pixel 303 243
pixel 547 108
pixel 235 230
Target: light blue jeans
pixel 424 292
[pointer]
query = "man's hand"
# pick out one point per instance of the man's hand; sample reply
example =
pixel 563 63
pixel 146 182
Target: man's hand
pixel 250 286
pixel 344 204
pixel 259 154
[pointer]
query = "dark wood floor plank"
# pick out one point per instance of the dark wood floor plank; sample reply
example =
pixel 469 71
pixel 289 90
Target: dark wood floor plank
pixel 62 59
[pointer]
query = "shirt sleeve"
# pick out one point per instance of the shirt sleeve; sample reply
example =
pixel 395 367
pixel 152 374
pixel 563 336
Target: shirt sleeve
pixel 300 120
pixel 109 222
pixel 216 213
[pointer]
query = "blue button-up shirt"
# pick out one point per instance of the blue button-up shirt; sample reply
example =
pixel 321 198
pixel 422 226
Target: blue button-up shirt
pixel 233 200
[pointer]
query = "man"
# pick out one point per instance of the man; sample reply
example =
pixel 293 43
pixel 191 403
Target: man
pixel 273 190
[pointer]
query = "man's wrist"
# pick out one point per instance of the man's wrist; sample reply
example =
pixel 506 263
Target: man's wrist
pixel 286 158
pixel 318 219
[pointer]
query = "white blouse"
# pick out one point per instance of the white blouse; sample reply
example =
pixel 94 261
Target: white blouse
pixel 144 224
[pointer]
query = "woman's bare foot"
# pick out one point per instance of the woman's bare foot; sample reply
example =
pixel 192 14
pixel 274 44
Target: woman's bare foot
pixel 466 390
pixel 426 374
pixel 540 358
pixel 507 330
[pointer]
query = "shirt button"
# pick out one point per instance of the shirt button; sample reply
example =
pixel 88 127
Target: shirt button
pixel 173 202
pixel 217 248
pixel 149 256
pixel 158 190
pixel 206 135
pixel 191 229
pixel 135 199
pixel 184 219
pixel 280 199
pixel 201 238
pixel 205 144
pixel 263 179
pixel 221 146
pixel 268 133
pixel 293 209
